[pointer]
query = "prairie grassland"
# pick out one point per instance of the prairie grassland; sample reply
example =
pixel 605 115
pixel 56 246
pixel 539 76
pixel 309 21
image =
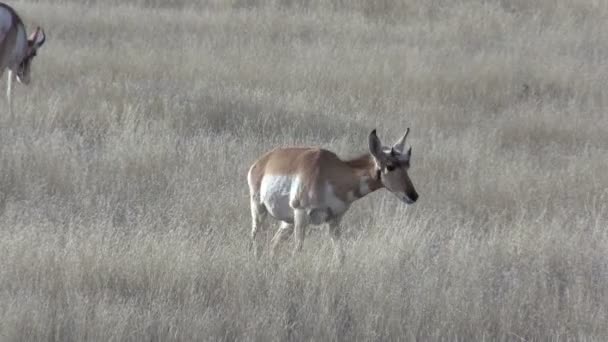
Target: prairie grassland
pixel 123 201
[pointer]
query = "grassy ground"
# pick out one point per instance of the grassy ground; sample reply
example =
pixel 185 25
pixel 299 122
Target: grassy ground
pixel 123 201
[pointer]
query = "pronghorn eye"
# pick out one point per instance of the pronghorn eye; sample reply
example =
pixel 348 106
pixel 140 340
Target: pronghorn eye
pixel 390 167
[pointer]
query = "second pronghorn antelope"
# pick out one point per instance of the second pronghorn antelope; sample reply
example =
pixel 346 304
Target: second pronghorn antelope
pixel 16 50
pixel 303 185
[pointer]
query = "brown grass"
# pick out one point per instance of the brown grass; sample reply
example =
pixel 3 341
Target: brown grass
pixel 123 201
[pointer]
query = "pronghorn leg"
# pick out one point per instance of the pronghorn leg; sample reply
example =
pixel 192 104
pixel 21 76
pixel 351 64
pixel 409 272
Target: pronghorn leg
pixel 9 87
pixel 334 234
pixel 281 235
pixel 1 74
pixel 300 224
pixel 258 216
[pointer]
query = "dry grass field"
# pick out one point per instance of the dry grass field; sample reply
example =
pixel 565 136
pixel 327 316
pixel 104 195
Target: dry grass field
pixel 123 196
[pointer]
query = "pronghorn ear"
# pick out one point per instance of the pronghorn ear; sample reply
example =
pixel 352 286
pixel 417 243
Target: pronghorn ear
pixel 375 146
pixel 400 144
pixel 38 37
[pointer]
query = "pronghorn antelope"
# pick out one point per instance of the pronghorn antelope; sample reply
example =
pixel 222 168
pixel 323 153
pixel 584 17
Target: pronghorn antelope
pixel 302 185
pixel 16 50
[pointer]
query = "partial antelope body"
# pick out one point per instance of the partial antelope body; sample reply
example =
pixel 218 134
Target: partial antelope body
pixel 304 185
pixel 16 50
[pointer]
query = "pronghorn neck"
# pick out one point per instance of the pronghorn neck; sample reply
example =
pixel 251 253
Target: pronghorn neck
pixel 366 171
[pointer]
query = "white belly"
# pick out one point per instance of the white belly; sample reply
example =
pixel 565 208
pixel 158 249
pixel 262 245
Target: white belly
pixel 275 193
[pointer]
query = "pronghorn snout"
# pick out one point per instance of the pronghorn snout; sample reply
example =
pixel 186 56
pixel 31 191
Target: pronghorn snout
pixel 410 195
pixel 407 197
pixel 411 198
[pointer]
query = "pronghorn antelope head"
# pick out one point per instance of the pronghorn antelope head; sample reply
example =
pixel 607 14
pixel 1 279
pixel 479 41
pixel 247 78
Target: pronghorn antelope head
pixel 392 165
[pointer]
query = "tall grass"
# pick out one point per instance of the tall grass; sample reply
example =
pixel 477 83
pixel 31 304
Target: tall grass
pixel 123 201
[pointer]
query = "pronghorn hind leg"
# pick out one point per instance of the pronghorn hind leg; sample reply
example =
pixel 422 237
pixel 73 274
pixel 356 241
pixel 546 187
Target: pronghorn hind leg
pixel 334 234
pixel 300 223
pixel 258 216
pixel 281 235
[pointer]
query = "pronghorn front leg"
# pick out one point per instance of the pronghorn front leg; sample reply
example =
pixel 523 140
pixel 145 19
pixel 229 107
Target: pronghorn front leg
pixel 8 101
pixel 9 87
pixel 300 218
pixel 281 235
pixel 334 233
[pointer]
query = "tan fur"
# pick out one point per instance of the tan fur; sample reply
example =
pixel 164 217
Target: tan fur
pixel 310 185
